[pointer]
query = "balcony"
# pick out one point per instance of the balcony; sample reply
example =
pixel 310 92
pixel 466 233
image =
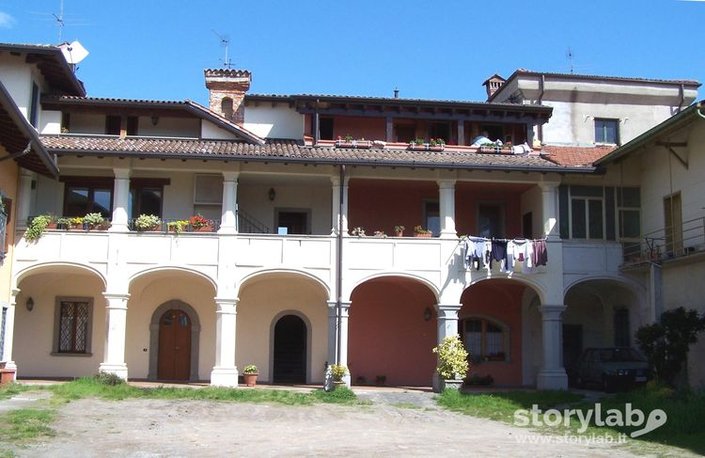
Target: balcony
pixel 667 243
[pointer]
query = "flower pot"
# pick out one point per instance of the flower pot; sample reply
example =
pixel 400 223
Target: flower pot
pixel 7 376
pixel 207 228
pixel 250 379
pixel 424 235
pixel 337 384
pixel 451 384
pixel 399 233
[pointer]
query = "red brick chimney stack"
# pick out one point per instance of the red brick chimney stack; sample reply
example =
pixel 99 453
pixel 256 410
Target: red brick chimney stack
pixel 227 90
pixel 492 84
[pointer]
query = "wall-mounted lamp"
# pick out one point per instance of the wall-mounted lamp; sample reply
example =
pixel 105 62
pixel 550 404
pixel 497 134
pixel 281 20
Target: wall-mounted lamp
pixel 271 194
pixel 29 304
pixel 155 120
pixel 427 314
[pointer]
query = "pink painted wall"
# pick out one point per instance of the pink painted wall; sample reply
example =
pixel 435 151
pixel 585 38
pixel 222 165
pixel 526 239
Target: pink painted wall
pixel 383 204
pixel 388 334
pixel 499 300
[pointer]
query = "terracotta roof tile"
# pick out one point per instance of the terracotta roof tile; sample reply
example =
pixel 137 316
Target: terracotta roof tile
pixel 285 151
pixel 576 156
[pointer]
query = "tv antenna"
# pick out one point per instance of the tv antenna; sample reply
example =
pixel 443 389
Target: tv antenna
pixel 225 43
pixel 60 20
pixel 569 55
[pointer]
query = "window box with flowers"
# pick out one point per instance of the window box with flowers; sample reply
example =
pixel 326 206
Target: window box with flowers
pixel 200 224
pixel 434 144
pixel 419 231
pixel 349 142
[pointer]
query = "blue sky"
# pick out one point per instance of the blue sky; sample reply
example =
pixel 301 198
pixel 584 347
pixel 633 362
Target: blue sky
pixel 436 49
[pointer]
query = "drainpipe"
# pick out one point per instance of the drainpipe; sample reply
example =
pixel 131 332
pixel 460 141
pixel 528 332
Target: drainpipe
pixel 339 267
pixel 682 91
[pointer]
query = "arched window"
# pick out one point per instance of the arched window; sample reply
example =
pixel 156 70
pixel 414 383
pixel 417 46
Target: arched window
pixel 484 339
pixel 226 106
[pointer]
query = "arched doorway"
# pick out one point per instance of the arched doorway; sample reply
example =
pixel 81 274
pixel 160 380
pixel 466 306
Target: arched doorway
pixel 174 360
pixel 289 355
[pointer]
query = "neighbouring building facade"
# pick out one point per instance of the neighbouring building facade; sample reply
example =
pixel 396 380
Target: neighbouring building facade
pixel 281 275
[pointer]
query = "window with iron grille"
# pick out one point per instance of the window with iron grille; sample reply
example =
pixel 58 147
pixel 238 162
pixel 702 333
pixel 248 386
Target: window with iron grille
pixel 73 325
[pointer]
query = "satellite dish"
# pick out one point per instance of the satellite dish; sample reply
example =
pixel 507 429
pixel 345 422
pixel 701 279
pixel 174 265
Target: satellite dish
pixel 73 52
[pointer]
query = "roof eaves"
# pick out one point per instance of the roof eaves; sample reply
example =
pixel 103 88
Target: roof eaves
pixel 674 122
pixel 26 128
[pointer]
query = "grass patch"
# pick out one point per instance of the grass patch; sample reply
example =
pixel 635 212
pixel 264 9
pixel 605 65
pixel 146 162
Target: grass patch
pixel 24 425
pixel 685 427
pixel 11 389
pixel 92 387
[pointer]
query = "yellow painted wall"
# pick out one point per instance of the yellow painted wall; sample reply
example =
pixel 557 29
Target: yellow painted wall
pixel 264 300
pixel 34 331
pixel 9 173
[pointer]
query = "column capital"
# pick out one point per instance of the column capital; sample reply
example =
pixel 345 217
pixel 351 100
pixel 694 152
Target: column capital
pixel 231 175
pixel 448 311
pixel 446 183
pixel 547 186
pixel 552 311
pixel 226 305
pixel 121 173
pixel 117 300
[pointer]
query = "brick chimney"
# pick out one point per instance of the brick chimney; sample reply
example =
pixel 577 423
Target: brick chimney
pixel 226 89
pixel 492 84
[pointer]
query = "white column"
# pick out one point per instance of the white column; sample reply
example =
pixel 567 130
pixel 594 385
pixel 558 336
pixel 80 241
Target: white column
pixel 10 332
pixel 447 326
pixel 344 315
pixel 549 204
pixel 24 197
pixel 446 199
pixel 115 329
pixel 225 372
pixel 338 326
pixel 552 375
pixel 228 220
pixel 121 198
pixel 336 205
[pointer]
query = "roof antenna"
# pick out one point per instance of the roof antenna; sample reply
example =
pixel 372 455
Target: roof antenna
pixel 569 55
pixel 60 21
pixel 224 42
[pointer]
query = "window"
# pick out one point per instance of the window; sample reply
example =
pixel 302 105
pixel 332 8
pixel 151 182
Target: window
pixel 146 196
pixel 607 131
pixel 226 107
pixel 112 125
pixel 587 212
pixel 74 317
pixel 432 217
pixel 88 195
pixel 490 220
pixel 484 339
pixel 34 106
pixel 65 122
pixel 629 220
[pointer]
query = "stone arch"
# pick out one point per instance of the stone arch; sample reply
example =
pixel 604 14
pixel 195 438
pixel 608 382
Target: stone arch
pixel 261 274
pixel 59 267
pixel 309 332
pixel 170 269
pixel 538 288
pixel 430 285
pixel 173 304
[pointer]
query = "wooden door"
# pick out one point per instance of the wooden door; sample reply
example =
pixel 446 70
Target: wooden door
pixel 174 346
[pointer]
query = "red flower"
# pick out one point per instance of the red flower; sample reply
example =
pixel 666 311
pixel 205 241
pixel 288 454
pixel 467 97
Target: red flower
pixel 198 221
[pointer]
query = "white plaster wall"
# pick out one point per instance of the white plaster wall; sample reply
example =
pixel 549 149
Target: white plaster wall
pixel 50 122
pixel 260 303
pixel 211 131
pixel 34 331
pixel 531 201
pixel 150 293
pixel 49 196
pixel 573 123
pixel 16 76
pixel 279 121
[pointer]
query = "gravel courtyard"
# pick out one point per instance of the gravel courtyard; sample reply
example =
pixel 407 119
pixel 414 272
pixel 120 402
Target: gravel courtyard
pixel 396 423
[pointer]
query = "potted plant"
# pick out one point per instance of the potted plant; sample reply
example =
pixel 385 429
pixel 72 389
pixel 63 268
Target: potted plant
pixel 36 227
pixel 337 372
pixel 358 231
pixel 177 226
pixel 250 374
pixel 147 223
pixel 200 224
pixel 399 230
pixel 419 231
pixel 76 223
pixel 452 362
pixel 93 220
pixel 63 223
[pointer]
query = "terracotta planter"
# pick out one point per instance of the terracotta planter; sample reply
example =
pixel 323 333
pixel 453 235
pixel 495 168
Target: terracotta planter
pixel 250 379
pixel 425 235
pixel 399 233
pixel 7 376
pixel 207 228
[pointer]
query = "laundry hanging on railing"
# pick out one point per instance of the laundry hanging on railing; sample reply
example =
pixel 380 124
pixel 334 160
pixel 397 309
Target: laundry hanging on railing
pixel 509 255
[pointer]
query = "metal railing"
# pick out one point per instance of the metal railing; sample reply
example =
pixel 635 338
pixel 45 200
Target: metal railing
pixel 667 243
